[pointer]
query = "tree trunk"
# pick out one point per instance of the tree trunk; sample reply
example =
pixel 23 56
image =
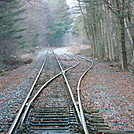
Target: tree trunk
pixel 104 34
pixel 123 48
pixel 131 41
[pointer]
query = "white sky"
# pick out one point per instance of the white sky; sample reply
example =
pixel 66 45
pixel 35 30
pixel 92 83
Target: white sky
pixel 71 3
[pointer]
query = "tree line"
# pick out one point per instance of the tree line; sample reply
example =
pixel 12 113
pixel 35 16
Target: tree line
pixel 109 24
pixel 31 24
pixel 9 32
pixel 59 22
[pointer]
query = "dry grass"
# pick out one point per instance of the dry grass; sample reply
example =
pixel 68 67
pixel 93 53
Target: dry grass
pixel 77 49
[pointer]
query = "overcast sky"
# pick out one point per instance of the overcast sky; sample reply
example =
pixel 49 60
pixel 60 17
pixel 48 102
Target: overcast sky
pixel 71 3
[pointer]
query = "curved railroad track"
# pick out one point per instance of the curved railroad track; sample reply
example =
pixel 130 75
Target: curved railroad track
pixel 58 112
pixel 51 105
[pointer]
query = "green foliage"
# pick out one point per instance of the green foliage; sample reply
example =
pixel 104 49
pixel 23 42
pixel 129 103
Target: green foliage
pixel 22 44
pixel 8 19
pixel 59 21
pixel 35 40
pixel 18 37
pixel 75 30
pixel 10 11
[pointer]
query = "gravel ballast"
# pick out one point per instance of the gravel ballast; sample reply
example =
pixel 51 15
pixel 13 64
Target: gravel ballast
pixel 12 97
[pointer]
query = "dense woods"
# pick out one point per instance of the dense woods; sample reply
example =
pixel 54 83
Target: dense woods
pixel 108 27
pixel 109 24
pixel 30 24
pixel 9 30
pixel 59 22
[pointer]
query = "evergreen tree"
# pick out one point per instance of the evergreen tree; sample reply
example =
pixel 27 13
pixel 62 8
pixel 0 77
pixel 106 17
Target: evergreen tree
pixel 59 21
pixel 9 31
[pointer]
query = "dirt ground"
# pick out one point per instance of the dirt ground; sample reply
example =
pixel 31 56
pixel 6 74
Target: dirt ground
pixel 110 90
pixel 105 87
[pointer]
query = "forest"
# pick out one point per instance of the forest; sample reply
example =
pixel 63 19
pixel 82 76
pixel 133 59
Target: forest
pixel 30 24
pixel 67 66
pixel 107 24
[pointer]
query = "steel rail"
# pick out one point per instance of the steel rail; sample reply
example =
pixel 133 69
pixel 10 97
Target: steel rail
pixel 36 95
pixel 83 122
pixel 82 118
pixel 70 90
pixel 79 96
pixel 39 91
pixel 26 99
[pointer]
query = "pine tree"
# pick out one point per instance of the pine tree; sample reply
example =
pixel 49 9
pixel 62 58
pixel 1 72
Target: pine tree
pixel 9 31
pixel 59 21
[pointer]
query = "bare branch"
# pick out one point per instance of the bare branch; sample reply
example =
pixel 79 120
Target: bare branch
pixel 110 6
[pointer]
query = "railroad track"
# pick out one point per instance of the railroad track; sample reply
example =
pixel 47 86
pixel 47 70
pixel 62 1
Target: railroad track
pixel 50 106
pixel 57 113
